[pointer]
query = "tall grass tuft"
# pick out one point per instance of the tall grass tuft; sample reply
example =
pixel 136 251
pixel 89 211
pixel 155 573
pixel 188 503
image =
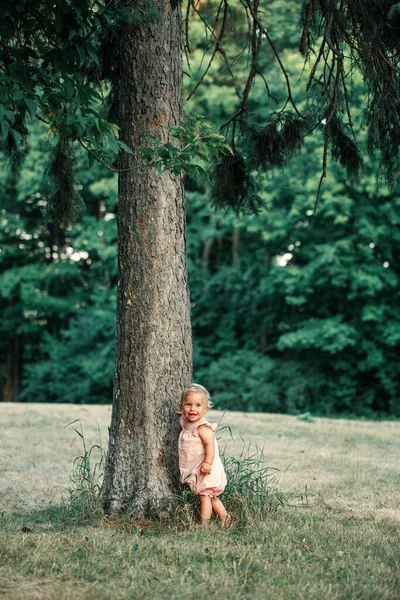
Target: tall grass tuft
pixel 251 492
pixel 87 474
pixel 185 511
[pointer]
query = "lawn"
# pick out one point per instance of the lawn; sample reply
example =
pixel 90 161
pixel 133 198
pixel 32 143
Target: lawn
pixel 337 536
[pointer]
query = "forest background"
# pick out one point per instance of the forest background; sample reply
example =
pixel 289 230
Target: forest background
pixel 292 311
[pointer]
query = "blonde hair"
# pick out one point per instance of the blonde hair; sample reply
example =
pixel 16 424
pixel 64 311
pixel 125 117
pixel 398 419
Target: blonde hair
pixel 196 388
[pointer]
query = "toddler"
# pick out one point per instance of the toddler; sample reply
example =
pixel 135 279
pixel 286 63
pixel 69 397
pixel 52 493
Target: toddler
pixel 199 462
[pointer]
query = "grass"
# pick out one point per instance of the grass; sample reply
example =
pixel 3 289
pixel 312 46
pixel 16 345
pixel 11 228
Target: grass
pixel 336 538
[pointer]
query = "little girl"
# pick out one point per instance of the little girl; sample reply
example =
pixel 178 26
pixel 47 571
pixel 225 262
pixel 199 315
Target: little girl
pixel 199 462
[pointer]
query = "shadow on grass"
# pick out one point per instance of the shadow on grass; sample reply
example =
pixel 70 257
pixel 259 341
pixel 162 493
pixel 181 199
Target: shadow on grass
pixel 52 518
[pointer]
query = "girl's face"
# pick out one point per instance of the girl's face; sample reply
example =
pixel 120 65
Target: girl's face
pixel 194 407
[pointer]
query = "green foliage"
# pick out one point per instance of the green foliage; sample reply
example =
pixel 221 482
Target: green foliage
pixel 47 45
pixel 294 311
pixel 79 367
pixel 330 335
pixel 366 34
pixel 48 274
pixel 197 143
pixel 61 61
pixel 52 70
pixel 52 66
pixel 242 380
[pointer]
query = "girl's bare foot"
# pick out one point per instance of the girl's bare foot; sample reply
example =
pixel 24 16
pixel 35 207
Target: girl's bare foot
pixel 226 521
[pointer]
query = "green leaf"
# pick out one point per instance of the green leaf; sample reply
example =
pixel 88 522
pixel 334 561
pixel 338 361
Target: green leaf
pixel 173 151
pixel 94 56
pixel 16 135
pixel 81 52
pixel 69 88
pixel 31 106
pixel 123 146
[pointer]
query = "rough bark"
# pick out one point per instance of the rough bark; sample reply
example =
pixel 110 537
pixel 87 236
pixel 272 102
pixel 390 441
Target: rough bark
pixel 153 335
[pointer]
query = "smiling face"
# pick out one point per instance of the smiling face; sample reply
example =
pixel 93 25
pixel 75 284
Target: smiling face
pixel 194 406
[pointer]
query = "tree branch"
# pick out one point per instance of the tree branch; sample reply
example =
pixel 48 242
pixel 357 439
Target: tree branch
pixel 327 38
pixel 255 52
pixel 277 56
pixel 304 37
pixel 323 174
pixel 97 159
pixel 217 48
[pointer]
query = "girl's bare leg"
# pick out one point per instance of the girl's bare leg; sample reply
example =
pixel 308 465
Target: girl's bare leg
pixel 205 509
pixel 219 508
pixel 221 511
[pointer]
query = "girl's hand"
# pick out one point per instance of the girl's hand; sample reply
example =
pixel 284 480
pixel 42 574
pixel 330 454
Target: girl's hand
pixel 205 468
pixel 179 413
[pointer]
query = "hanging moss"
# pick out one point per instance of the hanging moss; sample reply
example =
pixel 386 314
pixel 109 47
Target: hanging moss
pixel 234 186
pixel 65 203
pixel 275 143
pixel 14 143
pixel 268 147
pixel 344 149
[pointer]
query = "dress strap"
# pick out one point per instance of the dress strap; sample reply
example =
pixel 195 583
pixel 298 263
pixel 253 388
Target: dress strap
pixel 212 426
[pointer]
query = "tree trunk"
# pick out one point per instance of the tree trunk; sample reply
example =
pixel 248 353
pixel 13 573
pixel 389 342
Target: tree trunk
pixel 235 245
pixel 13 370
pixel 153 335
pixel 205 258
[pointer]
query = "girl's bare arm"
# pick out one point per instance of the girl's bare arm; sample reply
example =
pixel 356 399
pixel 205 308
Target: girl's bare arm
pixel 207 437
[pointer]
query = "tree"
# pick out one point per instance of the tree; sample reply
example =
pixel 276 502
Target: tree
pixel 153 356
pixel 49 273
pixel 55 47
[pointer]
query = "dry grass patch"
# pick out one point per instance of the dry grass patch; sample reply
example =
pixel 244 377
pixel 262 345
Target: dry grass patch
pixel 345 464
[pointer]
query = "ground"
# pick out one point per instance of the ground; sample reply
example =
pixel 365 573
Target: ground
pixel 337 535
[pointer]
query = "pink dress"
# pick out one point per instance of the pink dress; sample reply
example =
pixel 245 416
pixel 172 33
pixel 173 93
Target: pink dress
pixel 191 457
